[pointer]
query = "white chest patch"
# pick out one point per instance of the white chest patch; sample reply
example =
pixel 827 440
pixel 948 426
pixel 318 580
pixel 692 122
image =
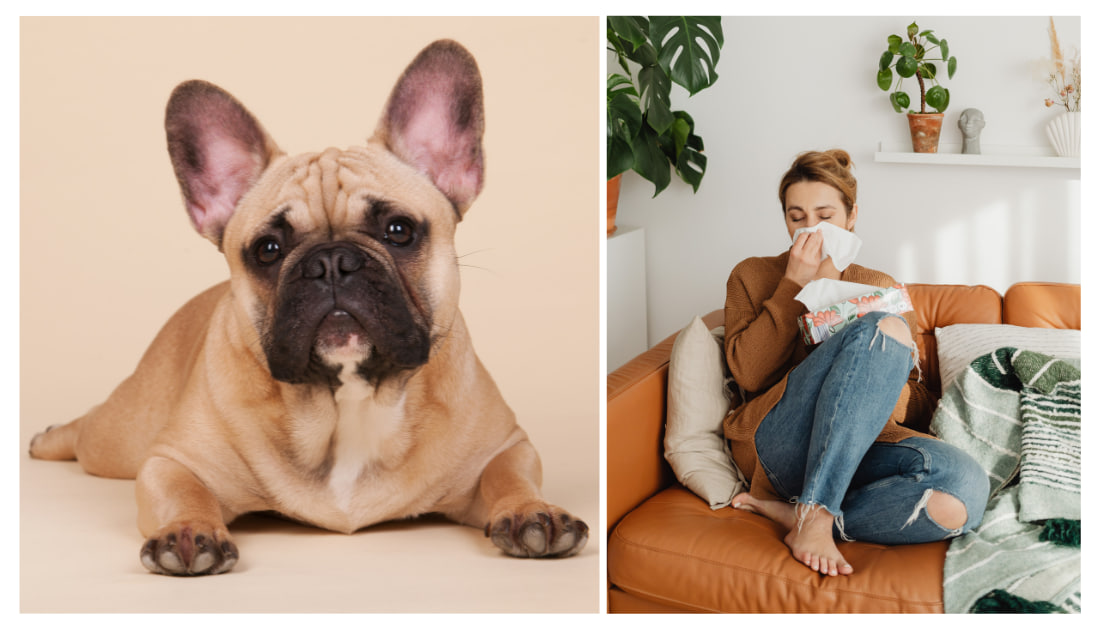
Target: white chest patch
pixel 367 431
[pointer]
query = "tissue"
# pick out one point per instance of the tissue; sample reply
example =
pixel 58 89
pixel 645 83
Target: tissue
pixel 833 304
pixel 840 244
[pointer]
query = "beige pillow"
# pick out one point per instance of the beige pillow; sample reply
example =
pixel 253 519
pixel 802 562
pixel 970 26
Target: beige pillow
pixel 959 344
pixel 695 445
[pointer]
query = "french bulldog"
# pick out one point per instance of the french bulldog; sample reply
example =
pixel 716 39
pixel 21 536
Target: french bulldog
pixel 331 379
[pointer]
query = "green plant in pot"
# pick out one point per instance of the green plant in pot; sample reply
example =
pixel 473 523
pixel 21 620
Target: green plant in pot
pixel 911 57
pixel 644 134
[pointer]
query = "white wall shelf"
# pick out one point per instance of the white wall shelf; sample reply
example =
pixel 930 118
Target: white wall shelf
pixel 993 155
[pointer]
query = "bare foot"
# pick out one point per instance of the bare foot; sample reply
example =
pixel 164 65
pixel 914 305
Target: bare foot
pixel 811 544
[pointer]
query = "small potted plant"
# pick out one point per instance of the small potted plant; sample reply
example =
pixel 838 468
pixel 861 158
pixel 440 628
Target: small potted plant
pixel 644 134
pixel 910 57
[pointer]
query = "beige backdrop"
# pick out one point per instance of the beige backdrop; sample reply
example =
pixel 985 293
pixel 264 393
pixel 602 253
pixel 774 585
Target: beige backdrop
pixel 107 254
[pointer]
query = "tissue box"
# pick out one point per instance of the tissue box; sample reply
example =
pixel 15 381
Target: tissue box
pixel 819 325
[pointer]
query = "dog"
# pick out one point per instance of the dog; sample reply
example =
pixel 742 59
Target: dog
pixel 331 379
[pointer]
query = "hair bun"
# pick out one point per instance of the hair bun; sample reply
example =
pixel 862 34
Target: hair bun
pixel 841 156
pixel 832 167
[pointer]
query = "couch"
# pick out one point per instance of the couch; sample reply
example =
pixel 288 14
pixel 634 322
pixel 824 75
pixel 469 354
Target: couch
pixel 668 551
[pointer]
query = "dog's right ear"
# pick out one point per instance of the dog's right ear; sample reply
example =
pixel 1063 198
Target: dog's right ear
pixel 218 151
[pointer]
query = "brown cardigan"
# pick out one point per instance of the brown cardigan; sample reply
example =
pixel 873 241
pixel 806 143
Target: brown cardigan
pixel 763 345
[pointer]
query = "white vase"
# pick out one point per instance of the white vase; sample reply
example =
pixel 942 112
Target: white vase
pixel 1064 132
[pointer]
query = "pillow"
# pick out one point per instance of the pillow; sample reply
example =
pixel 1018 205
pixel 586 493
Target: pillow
pixel 959 344
pixel 695 445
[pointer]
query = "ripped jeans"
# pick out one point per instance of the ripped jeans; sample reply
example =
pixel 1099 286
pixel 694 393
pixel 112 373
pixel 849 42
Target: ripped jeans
pixel 817 445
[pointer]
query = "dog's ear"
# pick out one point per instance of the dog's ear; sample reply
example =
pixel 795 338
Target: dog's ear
pixel 218 151
pixel 435 118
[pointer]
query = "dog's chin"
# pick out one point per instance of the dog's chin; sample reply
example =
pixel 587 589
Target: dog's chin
pixel 341 341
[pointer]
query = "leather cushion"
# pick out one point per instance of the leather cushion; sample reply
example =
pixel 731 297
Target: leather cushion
pixel 1043 305
pixel 943 305
pixel 675 551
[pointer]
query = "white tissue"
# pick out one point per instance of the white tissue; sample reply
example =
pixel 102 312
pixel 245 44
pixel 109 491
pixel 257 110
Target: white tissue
pixel 840 244
pixel 824 292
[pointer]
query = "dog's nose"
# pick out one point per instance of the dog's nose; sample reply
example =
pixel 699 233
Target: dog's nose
pixel 330 263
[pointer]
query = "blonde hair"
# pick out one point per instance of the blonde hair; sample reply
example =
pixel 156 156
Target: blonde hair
pixel 832 167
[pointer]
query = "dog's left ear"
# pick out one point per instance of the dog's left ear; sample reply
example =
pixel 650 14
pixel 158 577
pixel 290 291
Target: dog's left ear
pixel 435 118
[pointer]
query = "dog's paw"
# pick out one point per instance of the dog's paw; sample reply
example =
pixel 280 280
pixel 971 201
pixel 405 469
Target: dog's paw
pixel 543 531
pixel 189 550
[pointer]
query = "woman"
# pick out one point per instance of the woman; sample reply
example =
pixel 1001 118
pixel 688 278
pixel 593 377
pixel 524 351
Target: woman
pixel 821 433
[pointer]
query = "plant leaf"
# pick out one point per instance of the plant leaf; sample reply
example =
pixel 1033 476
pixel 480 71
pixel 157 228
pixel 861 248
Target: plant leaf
pixel 688 48
pixel 691 167
pixel 944 51
pixel 885 60
pixel 624 118
pixel 936 97
pixel 885 78
pixel 620 157
pixel 928 70
pixel 912 30
pixel 678 132
pixel 908 50
pixel 892 43
pixel 907 67
pixel 650 162
pixel 655 87
pixel 900 101
pixel 951 65
pixel 633 29
pixel 618 84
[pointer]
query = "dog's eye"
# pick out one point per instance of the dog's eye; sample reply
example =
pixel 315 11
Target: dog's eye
pixel 399 232
pixel 268 251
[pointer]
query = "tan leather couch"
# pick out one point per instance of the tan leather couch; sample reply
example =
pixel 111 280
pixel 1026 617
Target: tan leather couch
pixel 669 552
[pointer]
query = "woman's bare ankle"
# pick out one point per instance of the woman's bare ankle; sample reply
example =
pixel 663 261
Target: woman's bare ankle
pixel 779 511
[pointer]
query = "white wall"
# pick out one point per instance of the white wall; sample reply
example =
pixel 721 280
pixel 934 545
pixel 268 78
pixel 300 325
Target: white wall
pixel 788 84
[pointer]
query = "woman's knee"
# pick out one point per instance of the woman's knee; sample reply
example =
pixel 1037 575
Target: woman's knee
pixel 966 490
pixel 896 327
pixel 947 511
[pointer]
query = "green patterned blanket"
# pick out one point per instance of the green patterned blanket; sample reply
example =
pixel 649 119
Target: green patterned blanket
pixel 1018 413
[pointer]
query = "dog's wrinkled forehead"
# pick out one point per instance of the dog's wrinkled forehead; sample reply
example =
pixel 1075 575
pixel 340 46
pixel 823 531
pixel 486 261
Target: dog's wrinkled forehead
pixel 335 191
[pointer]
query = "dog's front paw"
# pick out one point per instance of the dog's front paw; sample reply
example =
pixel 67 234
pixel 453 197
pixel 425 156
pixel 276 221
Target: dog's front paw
pixel 542 531
pixel 189 549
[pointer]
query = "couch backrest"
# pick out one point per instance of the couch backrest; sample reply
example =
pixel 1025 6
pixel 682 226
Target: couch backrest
pixel 1043 305
pixel 939 305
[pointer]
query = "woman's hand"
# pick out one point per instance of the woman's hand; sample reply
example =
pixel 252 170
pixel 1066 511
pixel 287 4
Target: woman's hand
pixel 805 263
pixel 805 257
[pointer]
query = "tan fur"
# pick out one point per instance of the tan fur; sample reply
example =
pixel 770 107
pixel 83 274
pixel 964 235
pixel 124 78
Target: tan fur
pixel 209 434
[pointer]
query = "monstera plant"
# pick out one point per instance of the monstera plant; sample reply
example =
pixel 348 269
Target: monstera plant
pixel 644 134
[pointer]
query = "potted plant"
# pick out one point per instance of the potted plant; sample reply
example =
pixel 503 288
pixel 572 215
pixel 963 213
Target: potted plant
pixel 644 134
pixel 910 57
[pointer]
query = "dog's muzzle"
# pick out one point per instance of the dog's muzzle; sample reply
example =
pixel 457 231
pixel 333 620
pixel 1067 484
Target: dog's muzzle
pixel 341 300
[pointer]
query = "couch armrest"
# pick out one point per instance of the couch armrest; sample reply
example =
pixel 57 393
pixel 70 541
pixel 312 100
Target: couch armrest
pixel 636 401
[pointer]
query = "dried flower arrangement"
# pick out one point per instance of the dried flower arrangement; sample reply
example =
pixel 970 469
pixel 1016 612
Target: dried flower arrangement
pixel 1066 82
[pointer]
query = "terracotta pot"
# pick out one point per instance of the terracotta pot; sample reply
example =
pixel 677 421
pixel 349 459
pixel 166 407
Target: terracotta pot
pixel 612 202
pixel 925 130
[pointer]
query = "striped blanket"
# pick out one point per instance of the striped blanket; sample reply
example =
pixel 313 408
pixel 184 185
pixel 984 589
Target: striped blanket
pixel 1018 413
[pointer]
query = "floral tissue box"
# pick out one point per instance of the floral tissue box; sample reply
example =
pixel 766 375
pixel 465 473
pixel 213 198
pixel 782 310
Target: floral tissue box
pixel 817 326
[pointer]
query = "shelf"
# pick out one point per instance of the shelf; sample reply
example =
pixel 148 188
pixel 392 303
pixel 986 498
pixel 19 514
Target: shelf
pixel 951 155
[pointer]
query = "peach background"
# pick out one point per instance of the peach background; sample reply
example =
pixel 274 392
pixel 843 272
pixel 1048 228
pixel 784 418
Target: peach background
pixel 107 254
